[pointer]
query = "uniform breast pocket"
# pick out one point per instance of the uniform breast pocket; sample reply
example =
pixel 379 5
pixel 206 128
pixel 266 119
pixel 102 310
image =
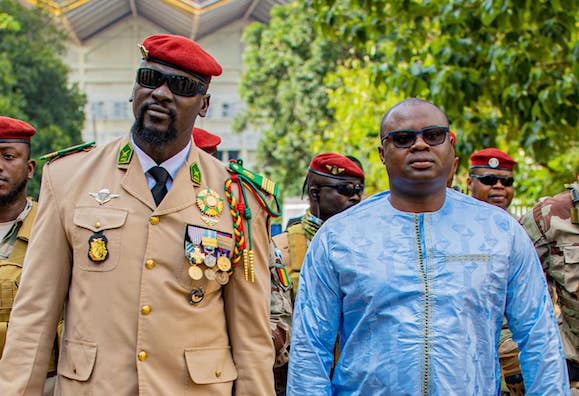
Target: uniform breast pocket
pixel 97 237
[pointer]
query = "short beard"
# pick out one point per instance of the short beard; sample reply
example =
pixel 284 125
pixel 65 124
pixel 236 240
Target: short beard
pixel 14 194
pixel 154 136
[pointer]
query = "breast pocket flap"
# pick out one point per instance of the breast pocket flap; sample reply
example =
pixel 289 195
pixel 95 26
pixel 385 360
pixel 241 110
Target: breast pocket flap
pixel 77 359
pixel 96 219
pixel 210 365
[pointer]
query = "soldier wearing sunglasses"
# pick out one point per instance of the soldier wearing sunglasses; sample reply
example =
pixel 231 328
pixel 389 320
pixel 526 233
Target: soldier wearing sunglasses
pixel 333 184
pixel 491 177
pixel 416 281
pixel 491 180
pixel 136 241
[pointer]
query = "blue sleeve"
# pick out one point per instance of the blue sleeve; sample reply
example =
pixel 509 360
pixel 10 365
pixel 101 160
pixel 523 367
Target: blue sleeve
pixel 531 318
pixel 316 320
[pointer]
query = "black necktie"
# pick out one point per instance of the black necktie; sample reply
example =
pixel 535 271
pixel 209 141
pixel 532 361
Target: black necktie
pixel 161 176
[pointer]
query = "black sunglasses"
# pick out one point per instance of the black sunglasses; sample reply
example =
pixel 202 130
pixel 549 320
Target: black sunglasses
pixel 491 180
pixel 405 138
pixel 346 189
pixel 179 85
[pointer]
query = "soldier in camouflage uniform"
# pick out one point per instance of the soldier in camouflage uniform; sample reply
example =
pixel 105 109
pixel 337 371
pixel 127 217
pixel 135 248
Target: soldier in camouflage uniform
pixel 553 225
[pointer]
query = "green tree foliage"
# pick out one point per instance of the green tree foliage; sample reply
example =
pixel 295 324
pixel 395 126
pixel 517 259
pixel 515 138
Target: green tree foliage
pixel 504 71
pixel 284 92
pixel 33 80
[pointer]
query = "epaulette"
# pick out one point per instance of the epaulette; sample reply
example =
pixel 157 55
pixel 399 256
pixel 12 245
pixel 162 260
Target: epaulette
pixel 258 185
pixel 67 151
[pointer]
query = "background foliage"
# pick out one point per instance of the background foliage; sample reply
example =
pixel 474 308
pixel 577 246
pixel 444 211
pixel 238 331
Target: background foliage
pixel 505 72
pixel 33 81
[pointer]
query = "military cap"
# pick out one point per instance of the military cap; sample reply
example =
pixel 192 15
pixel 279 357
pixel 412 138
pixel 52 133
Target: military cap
pixel 13 130
pixel 335 166
pixel 492 158
pixel 205 140
pixel 452 137
pixel 181 53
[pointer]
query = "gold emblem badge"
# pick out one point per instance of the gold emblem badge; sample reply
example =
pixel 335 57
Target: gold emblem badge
pixel 210 203
pixel 97 248
pixel 196 296
pixel 493 162
pixel 334 170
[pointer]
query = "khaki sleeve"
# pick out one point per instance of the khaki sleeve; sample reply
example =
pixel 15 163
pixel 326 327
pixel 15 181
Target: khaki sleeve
pixel 39 301
pixel 247 306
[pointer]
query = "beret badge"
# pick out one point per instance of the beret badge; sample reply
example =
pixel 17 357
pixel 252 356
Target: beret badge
pixel 144 51
pixel 493 162
pixel 334 170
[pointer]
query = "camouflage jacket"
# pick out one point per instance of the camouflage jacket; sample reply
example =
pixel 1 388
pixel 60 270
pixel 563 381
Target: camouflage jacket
pixel 556 240
pixel 281 307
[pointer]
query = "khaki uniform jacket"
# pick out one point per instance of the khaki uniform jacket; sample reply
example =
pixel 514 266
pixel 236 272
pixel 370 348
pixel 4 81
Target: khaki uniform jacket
pixel 129 327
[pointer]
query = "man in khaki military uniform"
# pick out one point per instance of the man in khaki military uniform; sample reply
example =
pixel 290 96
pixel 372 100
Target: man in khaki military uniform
pixel 333 184
pixel 17 213
pixel 147 261
pixel 553 225
pixel 491 180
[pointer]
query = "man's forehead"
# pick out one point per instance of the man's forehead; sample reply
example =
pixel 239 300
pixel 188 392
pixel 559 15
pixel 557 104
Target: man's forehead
pixel 415 116
pixel 19 146
pixel 490 171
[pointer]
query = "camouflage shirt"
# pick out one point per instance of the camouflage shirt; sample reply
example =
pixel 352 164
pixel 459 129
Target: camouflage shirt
pixel 7 243
pixel 556 240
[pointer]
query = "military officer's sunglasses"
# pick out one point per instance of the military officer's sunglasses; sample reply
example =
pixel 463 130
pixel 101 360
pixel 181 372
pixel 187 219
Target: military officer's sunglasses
pixel 179 85
pixel 346 189
pixel 491 180
pixel 405 138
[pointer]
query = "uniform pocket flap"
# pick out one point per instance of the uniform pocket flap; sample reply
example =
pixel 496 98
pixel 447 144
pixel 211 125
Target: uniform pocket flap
pixel 77 359
pixel 210 365
pixel 96 219
pixel 571 254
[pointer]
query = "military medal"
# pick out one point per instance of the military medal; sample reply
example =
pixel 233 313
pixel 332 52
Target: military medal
pixel 196 296
pixel 97 247
pixel 222 277
pixel 209 202
pixel 209 274
pixel 195 272
pixel 223 263
pixel 210 259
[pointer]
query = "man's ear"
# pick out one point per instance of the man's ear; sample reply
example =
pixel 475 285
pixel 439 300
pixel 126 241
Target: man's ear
pixel 31 167
pixel 204 106
pixel 315 193
pixel 381 154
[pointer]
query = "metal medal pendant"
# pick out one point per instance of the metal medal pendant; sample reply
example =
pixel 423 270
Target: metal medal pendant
pixel 210 260
pixel 209 274
pixel 222 278
pixel 195 272
pixel 223 263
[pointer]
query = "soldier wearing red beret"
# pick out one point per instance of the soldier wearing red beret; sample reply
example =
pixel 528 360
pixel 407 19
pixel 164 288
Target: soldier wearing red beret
pixel 205 140
pixel 333 183
pixel 491 177
pixel 137 241
pixel 491 180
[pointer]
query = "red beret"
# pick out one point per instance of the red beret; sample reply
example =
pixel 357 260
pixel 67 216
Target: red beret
pixel 180 52
pixel 492 158
pixel 335 166
pixel 206 141
pixel 452 137
pixel 13 130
